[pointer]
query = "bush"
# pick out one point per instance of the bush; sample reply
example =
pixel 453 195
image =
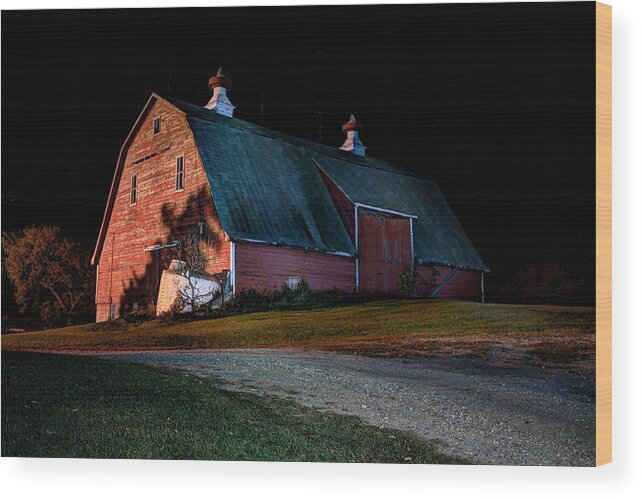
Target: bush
pixel 143 314
pixel 408 281
pixel 247 301
pixel 548 284
pixel 117 325
pixel 299 298
pixel 301 295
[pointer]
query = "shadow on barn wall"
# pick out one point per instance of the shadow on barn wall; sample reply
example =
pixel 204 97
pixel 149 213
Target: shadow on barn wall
pixel 143 288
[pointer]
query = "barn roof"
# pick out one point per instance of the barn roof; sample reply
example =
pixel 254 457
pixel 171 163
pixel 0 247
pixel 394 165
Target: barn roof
pixel 437 234
pixel 266 189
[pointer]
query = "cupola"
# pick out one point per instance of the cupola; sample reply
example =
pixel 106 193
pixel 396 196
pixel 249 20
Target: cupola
pixel 219 102
pixel 352 143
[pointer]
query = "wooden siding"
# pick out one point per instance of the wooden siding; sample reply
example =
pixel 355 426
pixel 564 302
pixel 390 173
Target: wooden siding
pixel 384 252
pixel 265 268
pixel 126 274
pixel 464 284
pixel 343 204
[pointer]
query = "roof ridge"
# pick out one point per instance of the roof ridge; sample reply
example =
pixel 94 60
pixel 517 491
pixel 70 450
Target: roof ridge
pixel 325 149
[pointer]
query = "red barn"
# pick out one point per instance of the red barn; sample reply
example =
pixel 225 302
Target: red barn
pixel 270 207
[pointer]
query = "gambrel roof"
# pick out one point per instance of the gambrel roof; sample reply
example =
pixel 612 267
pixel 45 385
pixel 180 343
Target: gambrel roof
pixel 266 188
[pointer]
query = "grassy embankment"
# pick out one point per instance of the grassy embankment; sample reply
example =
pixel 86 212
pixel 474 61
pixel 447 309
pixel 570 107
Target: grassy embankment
pixel 552 335
pixel 66 406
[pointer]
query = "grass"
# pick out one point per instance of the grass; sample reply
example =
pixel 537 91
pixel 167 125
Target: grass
pixel 65 406
pixel 376 320
pixel 542 336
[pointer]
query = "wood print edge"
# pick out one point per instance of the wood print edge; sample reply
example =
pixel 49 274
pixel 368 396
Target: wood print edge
pixel 603 234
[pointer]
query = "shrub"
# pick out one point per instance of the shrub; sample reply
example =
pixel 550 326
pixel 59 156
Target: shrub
pixel 143 314
pixel 116 325
pixel 408 281
pixel 546 284
pixel 300 297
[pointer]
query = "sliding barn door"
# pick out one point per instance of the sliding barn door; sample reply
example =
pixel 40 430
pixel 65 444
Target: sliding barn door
pixel 384 251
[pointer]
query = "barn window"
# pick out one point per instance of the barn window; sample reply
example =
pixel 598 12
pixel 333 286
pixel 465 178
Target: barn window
pixel 180 173
pixel 157 125
pixel 133 195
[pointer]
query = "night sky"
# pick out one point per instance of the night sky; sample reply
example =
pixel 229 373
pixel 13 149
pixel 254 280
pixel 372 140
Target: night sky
pixel 494 102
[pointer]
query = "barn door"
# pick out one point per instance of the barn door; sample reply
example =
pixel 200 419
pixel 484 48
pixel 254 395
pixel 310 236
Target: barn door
pixel 384 252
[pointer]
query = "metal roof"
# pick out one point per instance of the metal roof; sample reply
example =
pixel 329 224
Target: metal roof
pixel 437 234
pixel 266 189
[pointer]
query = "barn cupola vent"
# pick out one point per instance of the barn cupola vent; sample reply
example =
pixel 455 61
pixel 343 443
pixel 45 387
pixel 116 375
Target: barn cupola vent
pixel 219 102
pixel 352 143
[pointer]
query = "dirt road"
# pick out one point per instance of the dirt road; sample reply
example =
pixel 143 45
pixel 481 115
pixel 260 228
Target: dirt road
pixel 517 416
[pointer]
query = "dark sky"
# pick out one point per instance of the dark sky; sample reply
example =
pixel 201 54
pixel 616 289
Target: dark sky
pixel 494 102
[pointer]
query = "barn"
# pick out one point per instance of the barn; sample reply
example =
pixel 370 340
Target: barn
pixel 271 209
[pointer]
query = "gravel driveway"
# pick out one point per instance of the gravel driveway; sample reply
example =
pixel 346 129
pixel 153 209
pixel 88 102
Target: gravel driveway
pixel 516 416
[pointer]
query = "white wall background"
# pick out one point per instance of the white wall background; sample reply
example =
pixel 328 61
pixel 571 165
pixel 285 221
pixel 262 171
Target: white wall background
pixel 623 478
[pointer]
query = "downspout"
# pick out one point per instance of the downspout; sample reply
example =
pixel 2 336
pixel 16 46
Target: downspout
pixel 482 285
pixel 233 267
pixel 357 250
pixel 412 247
pixel 96 292
pixel 111 280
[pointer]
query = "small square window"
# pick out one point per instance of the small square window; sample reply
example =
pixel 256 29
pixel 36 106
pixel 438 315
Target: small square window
pixel 157 125
pixel 133 195
pixel 180 173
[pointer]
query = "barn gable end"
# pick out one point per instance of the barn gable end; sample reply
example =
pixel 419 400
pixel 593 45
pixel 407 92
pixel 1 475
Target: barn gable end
pixel 127 273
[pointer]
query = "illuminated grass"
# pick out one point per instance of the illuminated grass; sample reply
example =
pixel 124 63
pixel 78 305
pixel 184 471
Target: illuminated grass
pixel 66 406
pixel 390 319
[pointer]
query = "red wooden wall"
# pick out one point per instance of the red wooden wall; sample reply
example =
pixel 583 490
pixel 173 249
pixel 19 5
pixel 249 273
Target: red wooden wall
pixel 266 268
pixel 465 284
pixel 125 273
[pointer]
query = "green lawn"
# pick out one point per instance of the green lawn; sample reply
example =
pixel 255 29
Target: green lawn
pixel 65 406
pixel 388 322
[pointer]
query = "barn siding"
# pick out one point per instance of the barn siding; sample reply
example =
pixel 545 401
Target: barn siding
pixel 265 268
pixel 463 285
pixel 125 272
pixel 343 204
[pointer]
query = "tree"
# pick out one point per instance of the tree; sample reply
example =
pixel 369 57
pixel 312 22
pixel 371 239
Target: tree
pixel 194 293
pixel 51 275
pixel 544 284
